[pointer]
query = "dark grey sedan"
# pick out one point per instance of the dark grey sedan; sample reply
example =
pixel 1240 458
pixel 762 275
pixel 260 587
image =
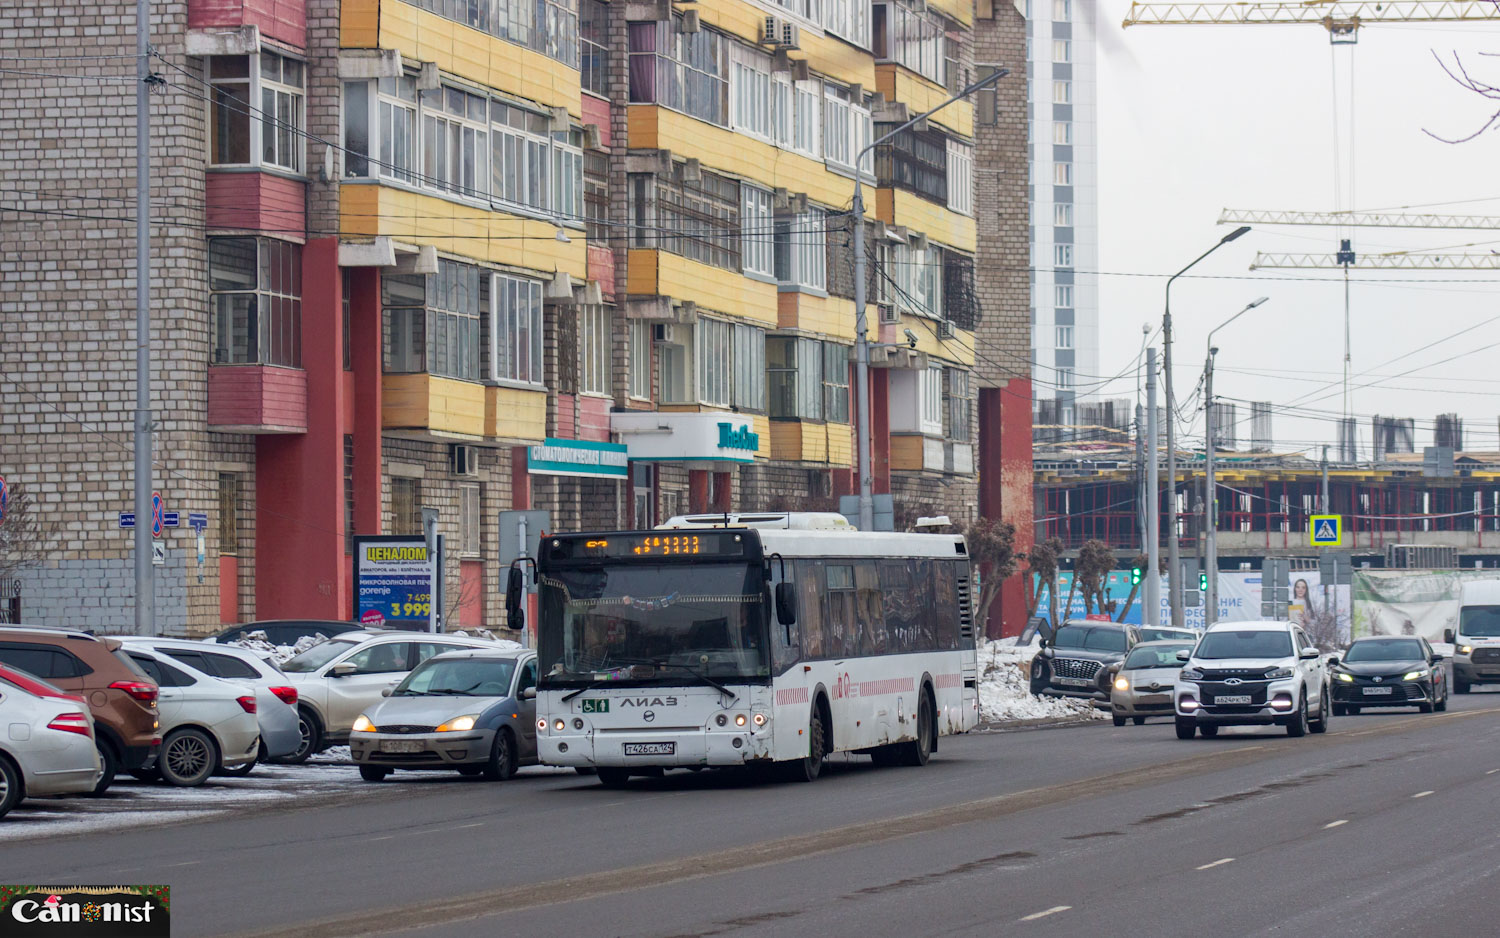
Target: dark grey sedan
pixel 459 710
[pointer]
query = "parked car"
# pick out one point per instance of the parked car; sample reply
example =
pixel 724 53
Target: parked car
pixel 34 685
pixel 1141 685
pixel 121 697
pixel 338 679
pixel 1166 633
pixel 49 747
pixel 275 697
pixel 1074 658
pixel 286 631
pixel 207 724
pixel 459 710
pixel 1388 672
pixel 1252 673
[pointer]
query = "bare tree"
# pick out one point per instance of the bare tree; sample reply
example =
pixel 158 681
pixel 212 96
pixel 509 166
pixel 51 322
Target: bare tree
pixel 1468 82
pixel 992 551
pixel 27 536
pixel 1095 561
pixel 1042 560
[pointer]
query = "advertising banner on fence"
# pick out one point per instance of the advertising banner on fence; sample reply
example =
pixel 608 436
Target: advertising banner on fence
pixel 1410 602
pixel 393 581
pixel 1239 599
pixel 1322 611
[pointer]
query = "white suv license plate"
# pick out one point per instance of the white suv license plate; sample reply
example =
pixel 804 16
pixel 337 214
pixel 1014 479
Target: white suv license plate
pixel 1374 691
pixel 401 745
pixel 1232 699
pixel 1075 682
pixel 650 749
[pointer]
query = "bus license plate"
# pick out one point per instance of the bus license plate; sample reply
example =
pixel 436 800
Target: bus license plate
pixel 1232 699
pixel 650 749
pixel 1370 691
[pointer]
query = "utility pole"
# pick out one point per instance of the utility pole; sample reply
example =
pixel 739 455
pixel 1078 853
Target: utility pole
pixel 861 325
pixel 145 573
pixel 1325 481
pixel 1140 470
pixel 1211 497
pixel 1152 601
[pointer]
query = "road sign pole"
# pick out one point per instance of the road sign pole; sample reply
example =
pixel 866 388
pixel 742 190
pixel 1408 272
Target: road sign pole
pixel 145 573
pixel 1152 610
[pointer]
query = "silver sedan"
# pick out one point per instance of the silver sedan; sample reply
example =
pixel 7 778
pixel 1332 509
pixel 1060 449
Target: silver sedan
pixel 47 748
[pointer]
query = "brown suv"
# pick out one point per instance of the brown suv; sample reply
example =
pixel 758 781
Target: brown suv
pixel 121 696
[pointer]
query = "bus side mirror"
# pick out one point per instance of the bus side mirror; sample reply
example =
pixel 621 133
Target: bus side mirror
pixel 515 592
pixel 786 603
pixel 1448 636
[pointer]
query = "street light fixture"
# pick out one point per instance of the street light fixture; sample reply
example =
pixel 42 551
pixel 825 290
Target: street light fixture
pixel 1174 574
pixel 861 340
pixel 1210 448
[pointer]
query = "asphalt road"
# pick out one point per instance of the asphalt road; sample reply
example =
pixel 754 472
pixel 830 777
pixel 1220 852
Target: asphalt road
pixel 1386 824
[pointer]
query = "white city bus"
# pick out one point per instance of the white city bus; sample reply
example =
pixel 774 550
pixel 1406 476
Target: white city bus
pixel 751 640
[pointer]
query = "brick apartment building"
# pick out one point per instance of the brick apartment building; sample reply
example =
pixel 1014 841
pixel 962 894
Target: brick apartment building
pixel 446 253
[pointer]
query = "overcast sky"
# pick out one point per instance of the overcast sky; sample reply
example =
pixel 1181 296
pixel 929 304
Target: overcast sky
pixel 1194 119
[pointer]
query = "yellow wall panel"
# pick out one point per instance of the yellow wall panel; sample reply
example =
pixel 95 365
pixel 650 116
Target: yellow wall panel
pixel 425 402
pixel 475 56
pixel 359 24
pixel 899 207
pixel 906 452
pixel 840 444
pixel 712 288
pixel 762 426
pixel 463 230
pixel 959 348
pixel 515 413
pixel 824 54
pixel 832 316
pixel 814 442
pixel 920 95
pixel 961 10
pixel 786 440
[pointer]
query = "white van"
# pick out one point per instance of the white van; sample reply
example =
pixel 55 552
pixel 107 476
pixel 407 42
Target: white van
pixel 1476 644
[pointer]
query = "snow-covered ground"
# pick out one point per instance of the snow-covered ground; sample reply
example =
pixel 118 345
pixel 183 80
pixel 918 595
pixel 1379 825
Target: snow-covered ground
pixel 1004 693
pixel 256 642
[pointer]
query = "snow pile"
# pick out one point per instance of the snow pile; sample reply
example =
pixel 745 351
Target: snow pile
pixel 488 635
pixel 257 642
pixel 1004 688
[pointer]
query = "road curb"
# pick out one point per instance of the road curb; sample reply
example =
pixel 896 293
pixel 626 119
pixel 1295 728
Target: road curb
pixel 1037 723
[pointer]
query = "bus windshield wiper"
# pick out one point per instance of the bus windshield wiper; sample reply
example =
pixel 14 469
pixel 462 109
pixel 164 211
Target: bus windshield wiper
pixel 702 677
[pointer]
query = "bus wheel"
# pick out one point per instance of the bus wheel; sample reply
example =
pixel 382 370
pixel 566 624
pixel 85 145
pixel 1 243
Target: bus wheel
pixel 809 768
pixel 918 751
pixel 612 777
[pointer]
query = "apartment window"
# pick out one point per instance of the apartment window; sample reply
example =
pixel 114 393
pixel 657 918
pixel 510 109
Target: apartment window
pixel 468 520
pixel 959 405
pixel 596 195
pixel 1064 337
pixel 987 102
pixel 532 166
pixel 1062 296
pixel 699 220
pixel 433 321
pixel 594 344
pixel 1062 255
pixel 802 250
pixel 1062 50
pixel 931 400
pixel 917 162
pixel 546 26
pixel 398 127
pixel 673 372
pixel 849 19
pixel 347 333
pixel 916 40
pixel 1065 380
pixel 835 382
pixel 750 91
pixel 794 369
pixel 837 130
pixel 1062 174
pixel 917 279
pixel 516 329
pixel 783 111
pixel 256 286
pixel 758 227
pixel 348 493
pixel 807 122
pixel 455 151
pixel 1062 214
pixel 715 361
pixel 1062 91
pixel 229 513
pixel 406 505
pixel 960 177
pixel 1062 133
pixel 257 115
pixel 749 368
pixel 1062 11
pixel 593 46
pixel 683 71
pixel 640 359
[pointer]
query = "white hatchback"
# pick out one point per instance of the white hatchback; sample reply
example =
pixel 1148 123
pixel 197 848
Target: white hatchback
pixel 207 725
pixel 337 680
pixel 48 748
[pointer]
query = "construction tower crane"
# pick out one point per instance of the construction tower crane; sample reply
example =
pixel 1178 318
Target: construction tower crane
pixel 1342 18
pixel 1232 216
pixel 1393 260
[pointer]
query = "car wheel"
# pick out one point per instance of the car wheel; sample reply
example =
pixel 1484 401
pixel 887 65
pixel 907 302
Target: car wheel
pixel 1353 710
pixel 1119 720
pixel 312 738
pixel 239 771
pixel 109 764
pixel 808 768
pixel 1340 710
pixel 145 775
pixel 1038 677
pixel 1321 725
pixel 1442 705
pixel 11 786
pixel 1208 730
pixel 585 770
pixel 918 751
pixel 471 770
pixel 1424 707
pixel 611 777
pixel 373 773
pixel 1460 686
pixel 1298 724
pixel 502 764
pixel 1186 728
pixel 188 757
pixel 1139 721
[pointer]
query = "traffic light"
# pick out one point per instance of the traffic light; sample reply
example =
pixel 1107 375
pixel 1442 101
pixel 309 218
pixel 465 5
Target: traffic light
pixel 1203 581
pixel 1135 576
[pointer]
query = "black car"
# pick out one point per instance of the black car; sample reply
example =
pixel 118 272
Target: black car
pixel 288 631
pixel 1385 671
pixel 1075 659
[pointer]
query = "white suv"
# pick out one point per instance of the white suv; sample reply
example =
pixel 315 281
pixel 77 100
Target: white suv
pixel 1252 673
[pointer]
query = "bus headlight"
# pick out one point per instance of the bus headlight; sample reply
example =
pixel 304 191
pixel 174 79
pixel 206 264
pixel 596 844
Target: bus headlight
pixel 721 719
pixel 739 719
pixel 759 719
pixel 559 725
pixel 577 723
pixel 541 724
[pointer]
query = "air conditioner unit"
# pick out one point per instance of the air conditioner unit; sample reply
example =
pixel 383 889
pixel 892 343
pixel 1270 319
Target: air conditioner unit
pixel 946 329
pixel 889 313
pixel 791 36
pixel 463 460
pixel 689 23
pixel 780 33
pixel 671 333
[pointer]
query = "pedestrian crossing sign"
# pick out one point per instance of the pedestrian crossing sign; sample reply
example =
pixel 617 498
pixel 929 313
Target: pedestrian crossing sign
pixel 1327 531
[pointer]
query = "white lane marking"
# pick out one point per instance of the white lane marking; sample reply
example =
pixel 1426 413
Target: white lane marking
pixel 1422 794
pixel 185 863
pixel 1332 824
pixel 1052 911
pixel 1209 866
pixel 1492 771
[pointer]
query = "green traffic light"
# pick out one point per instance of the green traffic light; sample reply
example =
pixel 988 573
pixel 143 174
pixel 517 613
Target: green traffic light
pixel 1203 582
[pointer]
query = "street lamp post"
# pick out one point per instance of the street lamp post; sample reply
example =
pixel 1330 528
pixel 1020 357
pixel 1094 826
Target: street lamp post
pixel 861 339
pixel 1174 574
pixel 1210 448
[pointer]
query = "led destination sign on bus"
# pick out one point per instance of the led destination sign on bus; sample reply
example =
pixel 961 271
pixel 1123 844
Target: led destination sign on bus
pixel 705 544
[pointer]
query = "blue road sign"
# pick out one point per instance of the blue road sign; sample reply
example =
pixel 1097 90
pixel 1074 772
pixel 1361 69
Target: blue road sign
pixel 4 497
pixel 198 520
pixel 1327 531
pixel 169 519
pixel 127 519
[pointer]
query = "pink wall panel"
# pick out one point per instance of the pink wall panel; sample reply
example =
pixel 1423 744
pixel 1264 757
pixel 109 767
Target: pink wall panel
pixel 567 424
pixel 282 20
pixel 602 268
pixel 593 418
pixel 596 111
pixel 257 202
pixel 257 396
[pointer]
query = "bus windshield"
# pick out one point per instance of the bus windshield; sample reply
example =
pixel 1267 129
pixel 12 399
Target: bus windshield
pixel 656 623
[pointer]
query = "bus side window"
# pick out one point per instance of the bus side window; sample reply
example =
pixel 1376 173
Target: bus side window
pixel 810 607
pixel 871 616
pixel 839 621
pixel 945 603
